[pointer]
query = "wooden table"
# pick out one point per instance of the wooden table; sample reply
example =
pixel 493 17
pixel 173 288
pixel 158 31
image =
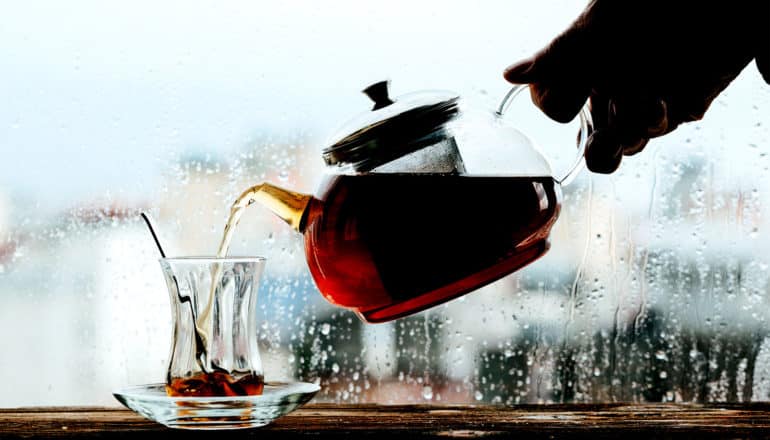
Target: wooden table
pixel 401 422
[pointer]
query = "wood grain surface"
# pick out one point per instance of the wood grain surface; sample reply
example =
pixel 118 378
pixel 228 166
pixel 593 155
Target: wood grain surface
pixel 418 421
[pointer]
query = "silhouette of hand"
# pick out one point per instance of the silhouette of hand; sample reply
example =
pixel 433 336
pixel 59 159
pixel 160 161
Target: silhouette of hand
pixel 647 66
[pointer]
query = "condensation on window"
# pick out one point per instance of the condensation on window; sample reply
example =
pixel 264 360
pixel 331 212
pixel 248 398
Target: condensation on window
pixel 655 287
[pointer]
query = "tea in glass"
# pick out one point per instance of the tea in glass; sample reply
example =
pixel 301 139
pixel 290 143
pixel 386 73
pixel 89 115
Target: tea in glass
pixel 214 346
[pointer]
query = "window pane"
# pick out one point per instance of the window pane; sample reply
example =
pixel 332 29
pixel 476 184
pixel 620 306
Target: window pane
pixel 654 289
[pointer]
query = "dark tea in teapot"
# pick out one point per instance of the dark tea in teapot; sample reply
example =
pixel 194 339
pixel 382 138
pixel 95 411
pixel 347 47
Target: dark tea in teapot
pixel 389 245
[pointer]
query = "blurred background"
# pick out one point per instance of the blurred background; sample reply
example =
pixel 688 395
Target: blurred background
pixel 655 288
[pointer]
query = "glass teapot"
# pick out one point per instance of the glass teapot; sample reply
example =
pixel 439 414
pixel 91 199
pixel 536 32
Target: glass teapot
pixel 401 223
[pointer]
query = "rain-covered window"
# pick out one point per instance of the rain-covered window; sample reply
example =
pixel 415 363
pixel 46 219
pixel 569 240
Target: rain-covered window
pixel 655 287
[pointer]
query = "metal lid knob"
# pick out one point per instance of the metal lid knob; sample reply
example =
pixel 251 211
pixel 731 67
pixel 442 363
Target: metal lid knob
pixel 378 92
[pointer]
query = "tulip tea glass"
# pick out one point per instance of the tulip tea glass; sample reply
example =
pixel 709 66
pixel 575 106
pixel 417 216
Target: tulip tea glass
pixel 214 378
pixel 214 347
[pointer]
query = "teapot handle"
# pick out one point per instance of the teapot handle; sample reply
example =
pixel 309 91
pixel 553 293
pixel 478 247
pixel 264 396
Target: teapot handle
pixel 586 127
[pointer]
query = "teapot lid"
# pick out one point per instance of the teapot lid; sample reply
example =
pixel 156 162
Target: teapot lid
pixel 392 128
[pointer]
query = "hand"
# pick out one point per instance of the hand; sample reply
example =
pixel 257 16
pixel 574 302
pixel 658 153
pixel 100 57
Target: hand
pixel 647 66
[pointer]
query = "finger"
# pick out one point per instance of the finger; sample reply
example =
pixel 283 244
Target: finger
pixel 560 101
pixel 683 109
pixel 637 118
pixel 657 124
pixel 600 106
pixel 603 152
pixel 631 148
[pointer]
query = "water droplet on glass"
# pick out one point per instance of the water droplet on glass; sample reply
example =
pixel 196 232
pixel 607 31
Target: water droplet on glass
pixel 325 328
pixel 478 395
pixel 427 392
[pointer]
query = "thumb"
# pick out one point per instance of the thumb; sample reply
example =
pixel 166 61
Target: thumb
pixel 559 98
pixel 521 73
pixel 556 87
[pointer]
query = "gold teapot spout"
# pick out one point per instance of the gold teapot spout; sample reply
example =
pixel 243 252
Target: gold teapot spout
pixel 288 205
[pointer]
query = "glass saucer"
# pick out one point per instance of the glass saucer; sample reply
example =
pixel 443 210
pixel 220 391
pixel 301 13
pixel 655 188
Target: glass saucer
pixel 277 399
